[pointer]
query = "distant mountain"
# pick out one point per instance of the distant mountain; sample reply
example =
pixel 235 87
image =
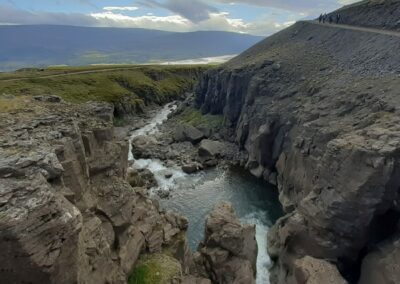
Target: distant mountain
pixel 43 45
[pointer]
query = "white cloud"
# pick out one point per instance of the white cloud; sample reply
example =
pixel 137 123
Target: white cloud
pixel 169 23
pixel 347 2
pixel 112 17
pixel 216 21
pixel 117 8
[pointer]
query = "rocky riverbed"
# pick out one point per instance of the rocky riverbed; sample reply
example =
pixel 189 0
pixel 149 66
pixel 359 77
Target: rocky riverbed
pixel 194 193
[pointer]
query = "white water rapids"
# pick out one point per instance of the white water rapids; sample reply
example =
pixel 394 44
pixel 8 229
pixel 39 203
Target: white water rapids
pixel 194 196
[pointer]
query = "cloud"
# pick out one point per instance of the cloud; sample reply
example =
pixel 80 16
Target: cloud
pixel 117 8
pixel 186 20
pixel 216 21
pixel 194 10
pixel 169 23
pixel 305 6
pixel 9 15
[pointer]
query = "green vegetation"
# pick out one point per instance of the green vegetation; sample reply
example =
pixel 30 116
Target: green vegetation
pixel 155 269
pixel 195 118
pixel 140 84
pixel 10 104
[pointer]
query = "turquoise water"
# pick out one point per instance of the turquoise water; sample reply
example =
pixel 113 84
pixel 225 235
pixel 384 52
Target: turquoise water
pixel 194 196
pixel 255 202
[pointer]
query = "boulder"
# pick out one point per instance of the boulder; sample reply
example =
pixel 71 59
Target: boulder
pixel 210 148
pixel 143 146
pixel 309 270
pixel 229 250
pixel 141 178
pixel 188 133
pixel 192 168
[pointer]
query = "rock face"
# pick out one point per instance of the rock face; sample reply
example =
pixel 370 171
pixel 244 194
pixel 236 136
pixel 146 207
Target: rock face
pixel 382 264
pixel 67 213
pixel 325 127
pixel 229 251
pixel 381 14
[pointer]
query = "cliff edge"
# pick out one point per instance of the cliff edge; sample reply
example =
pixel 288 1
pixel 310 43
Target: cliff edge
pixel 317 109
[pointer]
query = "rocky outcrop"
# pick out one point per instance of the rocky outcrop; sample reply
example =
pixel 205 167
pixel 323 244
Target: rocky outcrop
pixel 324 126
pixel 229 251
pixel 381 14
pixel 67 213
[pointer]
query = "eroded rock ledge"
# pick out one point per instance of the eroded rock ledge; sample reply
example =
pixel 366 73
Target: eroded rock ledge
pixel 67 213
pixel 228 253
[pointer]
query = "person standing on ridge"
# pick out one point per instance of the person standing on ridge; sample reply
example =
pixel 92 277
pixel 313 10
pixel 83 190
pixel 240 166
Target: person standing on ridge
pixel 337 18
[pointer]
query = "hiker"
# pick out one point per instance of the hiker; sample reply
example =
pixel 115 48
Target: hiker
pixel 337 18
pixel 320 18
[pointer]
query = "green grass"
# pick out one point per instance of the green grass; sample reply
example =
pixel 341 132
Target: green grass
pixel 155 269
pixel 141 84
pixel 195 118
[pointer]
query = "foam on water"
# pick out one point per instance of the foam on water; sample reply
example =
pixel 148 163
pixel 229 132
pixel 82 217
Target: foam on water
pixel 194 196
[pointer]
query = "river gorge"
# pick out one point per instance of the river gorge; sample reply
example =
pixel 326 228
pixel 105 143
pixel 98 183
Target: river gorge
pixel 195 195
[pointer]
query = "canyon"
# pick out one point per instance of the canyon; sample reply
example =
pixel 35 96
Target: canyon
pixel 94 191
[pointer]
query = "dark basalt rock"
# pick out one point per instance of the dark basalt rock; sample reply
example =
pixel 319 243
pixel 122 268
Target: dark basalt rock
pixel 323 127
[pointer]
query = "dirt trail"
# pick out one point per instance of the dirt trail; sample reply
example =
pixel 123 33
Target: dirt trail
pixel 356 28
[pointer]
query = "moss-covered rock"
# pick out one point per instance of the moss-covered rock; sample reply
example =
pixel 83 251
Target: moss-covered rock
pixel 194 117
pixel 156 269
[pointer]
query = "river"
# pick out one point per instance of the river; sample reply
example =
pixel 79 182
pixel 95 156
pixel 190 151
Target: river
pixel 194 196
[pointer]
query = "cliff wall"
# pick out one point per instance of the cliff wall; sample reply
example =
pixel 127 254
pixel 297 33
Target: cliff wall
pixel 317 110
pixel 67 213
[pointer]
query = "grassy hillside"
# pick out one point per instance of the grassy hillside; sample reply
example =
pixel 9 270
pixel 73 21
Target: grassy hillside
pixel 121 85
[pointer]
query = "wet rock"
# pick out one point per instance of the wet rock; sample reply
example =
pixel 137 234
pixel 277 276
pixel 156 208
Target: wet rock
pixel 143 146
pixel 229 250
pixel 141 178
pixel 210 163
pixel 192 168
pixel 163 194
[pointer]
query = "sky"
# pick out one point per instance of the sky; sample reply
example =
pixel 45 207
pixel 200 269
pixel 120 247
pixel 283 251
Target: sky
pixel 258 17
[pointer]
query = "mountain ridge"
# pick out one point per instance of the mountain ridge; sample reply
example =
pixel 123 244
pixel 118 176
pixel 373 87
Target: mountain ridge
pixel 44 45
